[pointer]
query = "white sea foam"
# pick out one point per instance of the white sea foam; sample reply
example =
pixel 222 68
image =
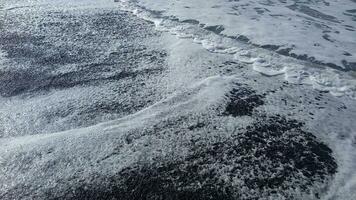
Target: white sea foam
pixel 43 161
pixel 263 61
pixel 2 59
pixel 270 63
pixel 340 133
pixel 299 25
pixel 81 150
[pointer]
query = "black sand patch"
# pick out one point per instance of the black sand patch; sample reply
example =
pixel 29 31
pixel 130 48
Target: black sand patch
pixel 242 101
pixel 260 11
pixel 351 11
pixel 85 57
pixel 99 56
pixel 272 156
pixel 191 21
pixel 312 13
pixel 216 29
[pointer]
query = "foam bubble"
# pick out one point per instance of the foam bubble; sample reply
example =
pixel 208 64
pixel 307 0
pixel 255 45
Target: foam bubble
pixel 265 67
pixel 335 83
pixel 297 75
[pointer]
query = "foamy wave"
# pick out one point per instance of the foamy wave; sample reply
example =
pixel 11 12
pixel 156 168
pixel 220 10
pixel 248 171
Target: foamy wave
pixel 264 61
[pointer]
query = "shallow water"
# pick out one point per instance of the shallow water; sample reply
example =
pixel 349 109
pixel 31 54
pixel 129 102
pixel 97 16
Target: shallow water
pixel 307 41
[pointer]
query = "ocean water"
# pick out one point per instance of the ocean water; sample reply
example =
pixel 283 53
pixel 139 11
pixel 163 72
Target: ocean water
pixel 151 99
